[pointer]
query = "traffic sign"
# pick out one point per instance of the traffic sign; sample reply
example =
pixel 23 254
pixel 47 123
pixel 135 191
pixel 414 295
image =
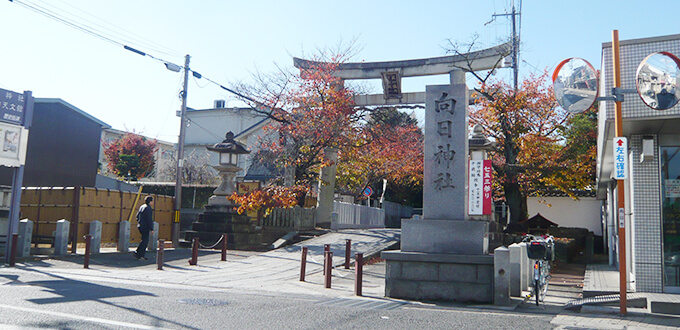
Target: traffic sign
pixel 620 158
pixel 368 192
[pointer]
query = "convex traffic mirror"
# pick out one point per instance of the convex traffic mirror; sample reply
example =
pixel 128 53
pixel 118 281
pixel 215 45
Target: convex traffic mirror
pixel 575 85
pixel 657 80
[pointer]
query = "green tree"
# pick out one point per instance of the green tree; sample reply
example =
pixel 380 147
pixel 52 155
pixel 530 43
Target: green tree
pixel 132 155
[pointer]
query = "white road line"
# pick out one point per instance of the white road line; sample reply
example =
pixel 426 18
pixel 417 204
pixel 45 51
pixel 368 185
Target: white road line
pixel 80 317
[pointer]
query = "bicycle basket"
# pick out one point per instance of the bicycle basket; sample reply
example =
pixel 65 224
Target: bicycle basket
pixel 538 250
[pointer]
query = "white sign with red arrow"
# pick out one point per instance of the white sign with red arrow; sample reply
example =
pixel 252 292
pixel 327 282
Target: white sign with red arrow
pixel 620 158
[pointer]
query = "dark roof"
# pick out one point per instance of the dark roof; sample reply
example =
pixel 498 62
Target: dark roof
pixel 538 221
pixel 259 171
pixel 559 193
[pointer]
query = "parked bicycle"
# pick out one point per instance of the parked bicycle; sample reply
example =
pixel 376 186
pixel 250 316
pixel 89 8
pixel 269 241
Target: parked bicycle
pixel 540 249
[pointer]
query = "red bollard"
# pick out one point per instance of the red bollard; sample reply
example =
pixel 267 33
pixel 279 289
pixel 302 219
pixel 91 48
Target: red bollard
pixel 329 269
pixel 160 253
pixel 88 243
pixel 358 279
pixel 224 247
pixel 348 252
pixel 13 252
pixel 194 253
pixel 303 264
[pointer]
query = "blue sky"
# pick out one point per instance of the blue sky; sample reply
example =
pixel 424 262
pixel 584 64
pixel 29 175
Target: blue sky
pixel 229 39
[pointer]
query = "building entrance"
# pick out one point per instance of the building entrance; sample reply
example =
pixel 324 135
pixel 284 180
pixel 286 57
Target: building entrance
pixel 670 174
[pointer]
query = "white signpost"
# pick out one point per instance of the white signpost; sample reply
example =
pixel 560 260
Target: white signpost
pixel 620 158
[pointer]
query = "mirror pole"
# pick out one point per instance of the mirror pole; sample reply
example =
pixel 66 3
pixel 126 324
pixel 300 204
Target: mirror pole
pixel 623 273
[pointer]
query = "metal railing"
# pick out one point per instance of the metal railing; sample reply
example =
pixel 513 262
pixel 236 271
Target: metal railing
pixel 355 216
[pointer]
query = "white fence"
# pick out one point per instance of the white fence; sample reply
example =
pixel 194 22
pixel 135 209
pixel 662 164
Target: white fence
pixel 347 216
pixel 296 218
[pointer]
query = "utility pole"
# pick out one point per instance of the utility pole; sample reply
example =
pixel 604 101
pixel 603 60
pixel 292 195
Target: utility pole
pixel 515 49
pixel 515 45
pixel 180 156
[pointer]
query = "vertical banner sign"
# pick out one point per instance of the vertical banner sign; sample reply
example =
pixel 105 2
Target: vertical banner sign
pixel 479 187
pixel 620 158
pixel 487 194
pixel 475 187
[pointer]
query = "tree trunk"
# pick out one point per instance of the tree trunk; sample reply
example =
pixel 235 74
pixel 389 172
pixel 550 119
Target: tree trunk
pixel 515 199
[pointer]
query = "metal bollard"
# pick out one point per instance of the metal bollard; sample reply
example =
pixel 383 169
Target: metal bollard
pixel 160 254
pixel 359 268
pixel 194 253
pixel 348 252
pixel 303 264
pixel 224 247
pixel 13 252
pixel 326 248
pixel 88 245
pixel 329 269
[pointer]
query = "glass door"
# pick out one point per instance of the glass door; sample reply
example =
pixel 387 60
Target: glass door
pixel 670 177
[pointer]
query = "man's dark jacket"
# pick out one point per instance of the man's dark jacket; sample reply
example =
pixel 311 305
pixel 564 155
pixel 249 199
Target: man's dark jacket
pixel 145 218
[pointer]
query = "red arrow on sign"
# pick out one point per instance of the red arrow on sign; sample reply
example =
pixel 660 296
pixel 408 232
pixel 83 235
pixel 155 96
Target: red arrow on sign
pixel 620 142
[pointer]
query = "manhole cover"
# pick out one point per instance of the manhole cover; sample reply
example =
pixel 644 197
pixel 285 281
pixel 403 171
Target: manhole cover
pixel 204 302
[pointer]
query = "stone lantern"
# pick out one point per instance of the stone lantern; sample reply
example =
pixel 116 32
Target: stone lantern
pixel 478 144
pixel 229 151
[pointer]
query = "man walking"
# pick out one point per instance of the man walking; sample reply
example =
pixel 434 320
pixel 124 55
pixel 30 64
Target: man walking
pixel 145 226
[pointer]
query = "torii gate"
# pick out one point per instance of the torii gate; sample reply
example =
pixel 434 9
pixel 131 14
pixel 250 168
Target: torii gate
pixel 391 73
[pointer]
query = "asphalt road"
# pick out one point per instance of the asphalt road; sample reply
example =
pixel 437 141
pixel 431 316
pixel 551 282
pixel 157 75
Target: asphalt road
pixel 31 299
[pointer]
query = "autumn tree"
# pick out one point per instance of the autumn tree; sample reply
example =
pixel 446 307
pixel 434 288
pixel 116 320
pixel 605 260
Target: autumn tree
pixel 131 156
pixel 390 148
pixel 539 146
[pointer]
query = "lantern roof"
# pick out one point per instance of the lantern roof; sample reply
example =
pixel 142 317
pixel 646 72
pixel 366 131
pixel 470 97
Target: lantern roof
pixel 228 145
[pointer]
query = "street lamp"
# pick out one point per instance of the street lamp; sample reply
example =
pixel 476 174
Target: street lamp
pixel 229 151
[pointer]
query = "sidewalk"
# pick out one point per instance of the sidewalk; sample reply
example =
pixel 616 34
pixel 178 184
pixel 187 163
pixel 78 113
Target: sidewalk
pixel 273 271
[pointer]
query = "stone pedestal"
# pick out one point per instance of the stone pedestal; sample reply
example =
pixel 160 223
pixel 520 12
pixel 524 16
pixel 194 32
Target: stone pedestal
pixel 445 236
pixel 437 276
pixel 216 220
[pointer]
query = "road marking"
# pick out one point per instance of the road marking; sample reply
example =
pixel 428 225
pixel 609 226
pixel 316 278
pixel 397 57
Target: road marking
pixel 80 317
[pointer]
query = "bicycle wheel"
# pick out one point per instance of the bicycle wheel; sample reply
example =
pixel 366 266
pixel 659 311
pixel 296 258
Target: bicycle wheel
pixel 537 290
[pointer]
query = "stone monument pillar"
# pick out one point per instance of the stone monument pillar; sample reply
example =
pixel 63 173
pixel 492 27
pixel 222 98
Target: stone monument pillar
pixel 444 254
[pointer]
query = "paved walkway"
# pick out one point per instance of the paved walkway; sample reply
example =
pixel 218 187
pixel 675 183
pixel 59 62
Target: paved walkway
pixel 273 271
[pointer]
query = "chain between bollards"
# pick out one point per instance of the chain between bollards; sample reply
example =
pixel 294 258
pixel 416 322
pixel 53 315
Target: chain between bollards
pixel 160 254
pixel 348 252
pixel 303 264
pixel 224 247
pixel 194 252
pixel 88 245
pixel 359 268
pixel 13 252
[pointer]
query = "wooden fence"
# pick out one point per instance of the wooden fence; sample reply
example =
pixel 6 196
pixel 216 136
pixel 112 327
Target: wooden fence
pixel 80 206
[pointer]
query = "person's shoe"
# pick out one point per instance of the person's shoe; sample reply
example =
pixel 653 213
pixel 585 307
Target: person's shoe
pixel 134 253
pixel 142 258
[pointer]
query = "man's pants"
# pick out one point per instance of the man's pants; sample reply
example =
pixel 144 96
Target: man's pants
pixel 141 249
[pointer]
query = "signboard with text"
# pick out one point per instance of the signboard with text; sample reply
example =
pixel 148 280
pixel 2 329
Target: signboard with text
pixel 12 107
pixel 620 158
pixel 480 190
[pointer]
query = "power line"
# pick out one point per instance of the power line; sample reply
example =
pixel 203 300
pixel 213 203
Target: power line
pixel 97 23
pixel 86 29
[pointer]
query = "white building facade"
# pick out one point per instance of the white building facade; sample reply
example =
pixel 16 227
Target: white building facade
pixel 652 204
